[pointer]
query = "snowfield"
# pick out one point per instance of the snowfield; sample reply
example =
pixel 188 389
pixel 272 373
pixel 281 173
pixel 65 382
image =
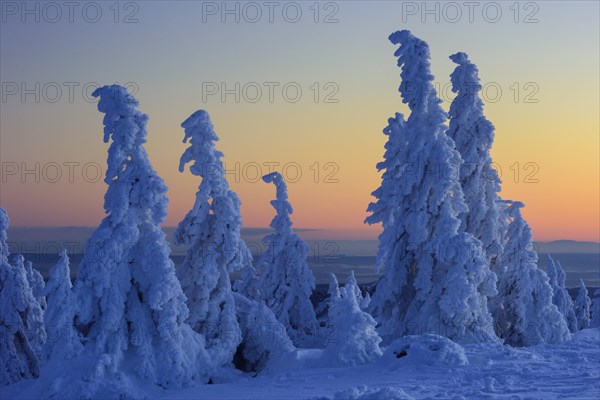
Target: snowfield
pixel 433 367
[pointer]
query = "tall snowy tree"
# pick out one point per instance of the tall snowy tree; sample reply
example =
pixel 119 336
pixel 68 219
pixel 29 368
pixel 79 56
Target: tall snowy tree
pixel 3 236
pixel 436 279
pixel 212 230
pixel 595 310
pixel 561 297
pixel 131 306
pixel 355 340
pixel 333 292
pixel 36 282
pixel 34 322
pixel 63 340
pixel 473 135
pixel 286 281
pixel 582 307
pixel 325 309
pixel 527 315
pixel 17 357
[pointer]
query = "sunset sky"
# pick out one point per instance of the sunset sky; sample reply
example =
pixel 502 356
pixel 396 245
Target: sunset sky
pixel 542 95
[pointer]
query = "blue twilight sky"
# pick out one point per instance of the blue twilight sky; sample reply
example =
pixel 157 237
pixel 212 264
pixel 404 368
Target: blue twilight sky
pixel 548 49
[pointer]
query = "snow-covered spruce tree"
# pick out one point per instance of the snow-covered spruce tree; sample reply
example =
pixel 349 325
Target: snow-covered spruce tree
pixel 355 340
pixel 286 281
pixel 582 307
pixel 527 315
pixel 436 279
pixel 324 311
pixel 212 230
pixel 595 310
pixel 561 297
pixel 34 322
pixel 473 135
pixel 36 282
pixel 3 236
pixel 131 308
pixel 17 357
pixel 333 292
pixel 63 339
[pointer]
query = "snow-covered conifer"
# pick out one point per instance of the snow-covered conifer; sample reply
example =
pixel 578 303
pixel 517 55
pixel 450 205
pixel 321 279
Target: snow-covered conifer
pixel 473 135
pixel 582 307
pixel 324 310
pixel 36 282
pixel 333 292
pixel 130 304
pixel 63 340
pixel 355 340
pixel 34 322
pixel 18 359
pixel 436 278
pixel 212 230
pixel 595 310
pixel 561 297
pixel 527 315
pixel 286 281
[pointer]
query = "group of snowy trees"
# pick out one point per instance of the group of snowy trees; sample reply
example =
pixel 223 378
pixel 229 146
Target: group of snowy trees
pixel 457 259
pixel 129 308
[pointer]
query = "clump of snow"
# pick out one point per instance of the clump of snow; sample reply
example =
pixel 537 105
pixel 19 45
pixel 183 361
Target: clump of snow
pixel 264 339
pixel 428 349
pixel 354 340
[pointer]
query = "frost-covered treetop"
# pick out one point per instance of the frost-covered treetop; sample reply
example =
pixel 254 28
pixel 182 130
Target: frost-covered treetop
pixel 520 229
pixel 417 80
pixel 466 76
pixel 215 215
pixel 3 237
pixel 128 162
pixel 281 223
pixel 467 109
pixel 206 159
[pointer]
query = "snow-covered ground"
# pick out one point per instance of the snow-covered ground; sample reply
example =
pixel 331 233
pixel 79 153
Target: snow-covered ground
pixel 431 369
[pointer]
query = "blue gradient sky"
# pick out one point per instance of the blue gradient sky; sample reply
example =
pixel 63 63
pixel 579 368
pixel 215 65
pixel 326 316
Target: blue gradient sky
pixel 170 52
